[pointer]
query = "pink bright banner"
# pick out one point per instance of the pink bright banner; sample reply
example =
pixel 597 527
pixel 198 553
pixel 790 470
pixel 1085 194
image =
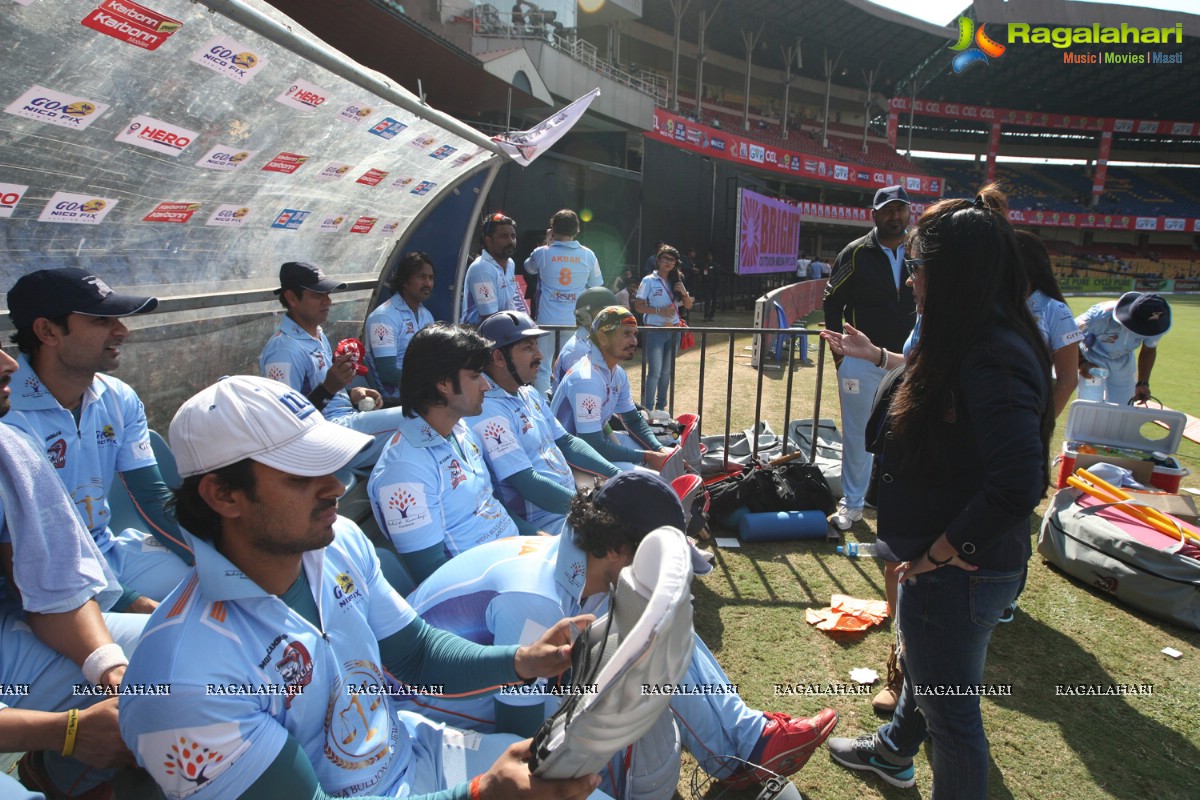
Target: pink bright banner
pixel 768 234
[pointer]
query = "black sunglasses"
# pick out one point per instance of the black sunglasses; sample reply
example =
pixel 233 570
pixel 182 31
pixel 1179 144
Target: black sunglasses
pixel 912 265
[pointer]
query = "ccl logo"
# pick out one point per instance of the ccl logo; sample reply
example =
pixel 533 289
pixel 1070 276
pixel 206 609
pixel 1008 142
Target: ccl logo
pixel 974 46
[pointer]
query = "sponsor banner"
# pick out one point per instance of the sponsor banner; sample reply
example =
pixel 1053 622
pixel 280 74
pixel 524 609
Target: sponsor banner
pixel 844 213
pixel 1174 224
pixel 153 134
pixel 289 219
pixel 423 188
pixel 463 158
pixel 371 177
pixel 1187 285
pixel 768 234
pixel 388 128
pixel 131 23
pixel 77 209
pixel 334 172
pixel 10 195
pixel 390 228
pixel 1096 285
pixel 56 108
pixel 1101 173
pixel 674 129
pixel 356 113
pixel 225 158
pixel 445 151
pixel 992 151
pixel 303 95
pixel 1037 119
pixel 229 215
pixel 287 163
pixel 524 146
pixel 363 224
pixel 1152 285
pixel 178 213
pixel 332 223
pixel 403 182
pixel 230 58
pixel 422 142
pixel 1146 224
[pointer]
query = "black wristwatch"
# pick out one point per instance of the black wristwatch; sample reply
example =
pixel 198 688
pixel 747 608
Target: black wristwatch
pixel 1142 383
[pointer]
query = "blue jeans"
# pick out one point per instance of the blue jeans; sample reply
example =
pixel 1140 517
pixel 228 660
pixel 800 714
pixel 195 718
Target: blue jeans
pixel 660 363
pixel 945 620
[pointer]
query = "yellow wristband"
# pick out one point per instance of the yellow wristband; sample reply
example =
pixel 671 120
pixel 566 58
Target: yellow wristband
pixel 72 729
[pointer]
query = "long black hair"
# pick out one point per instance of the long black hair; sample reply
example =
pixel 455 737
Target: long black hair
pixel 974 282
pixel 1036 260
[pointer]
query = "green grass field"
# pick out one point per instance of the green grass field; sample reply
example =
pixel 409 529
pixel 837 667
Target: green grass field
pixel 750 610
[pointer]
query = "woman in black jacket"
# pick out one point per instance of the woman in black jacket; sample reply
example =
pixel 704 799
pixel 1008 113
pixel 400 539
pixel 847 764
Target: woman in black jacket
pixel 962 446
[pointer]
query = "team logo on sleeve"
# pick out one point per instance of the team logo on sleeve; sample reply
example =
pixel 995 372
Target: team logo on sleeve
pixel 183 761
pixel 484 292
pixel 404 507
pixel 381 335
pixel 106 436
pixel 587 408
pixel 280 371
pixel 498 439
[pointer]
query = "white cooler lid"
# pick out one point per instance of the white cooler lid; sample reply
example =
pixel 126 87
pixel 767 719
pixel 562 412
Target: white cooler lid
pixel 1128 427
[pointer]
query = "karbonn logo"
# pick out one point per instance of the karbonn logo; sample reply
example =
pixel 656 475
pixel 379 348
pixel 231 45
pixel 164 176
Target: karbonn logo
pixel 90 207
pixel 77 109
pixel 975 46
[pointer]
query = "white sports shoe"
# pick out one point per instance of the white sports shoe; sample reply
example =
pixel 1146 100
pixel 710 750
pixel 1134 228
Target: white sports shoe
pixel 844 517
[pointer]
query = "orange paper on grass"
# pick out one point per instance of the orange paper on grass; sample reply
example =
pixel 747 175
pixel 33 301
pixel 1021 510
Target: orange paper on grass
pixel 848 614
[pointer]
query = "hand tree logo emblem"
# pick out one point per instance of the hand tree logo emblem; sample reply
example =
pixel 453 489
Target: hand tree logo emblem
pixel 402 502
pixel 495 432
pixel 984 46
pixel 190 760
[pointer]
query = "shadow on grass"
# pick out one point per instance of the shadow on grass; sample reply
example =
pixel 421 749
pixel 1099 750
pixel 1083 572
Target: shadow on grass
pixel 1126 751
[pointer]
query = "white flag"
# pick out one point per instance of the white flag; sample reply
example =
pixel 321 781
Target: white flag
pixel 524 146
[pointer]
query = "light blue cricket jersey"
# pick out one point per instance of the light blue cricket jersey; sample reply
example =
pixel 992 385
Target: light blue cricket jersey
pixel 112 437
pixel 389 329
pixel 427 490
pixel 589 394
pixel 1054 320
pixel 246 670
pixel 564 270
pixel 503 593
pixel 655 291
pixel 575 348
pixel 294 357
pixel 488 288
pixel 518 432
pixel 1108 343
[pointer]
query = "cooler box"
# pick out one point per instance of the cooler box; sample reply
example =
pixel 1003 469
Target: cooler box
pixel 1136 429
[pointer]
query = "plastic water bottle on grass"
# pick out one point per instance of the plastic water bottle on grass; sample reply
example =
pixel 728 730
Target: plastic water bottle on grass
pixel 1093 388
pixel 858 550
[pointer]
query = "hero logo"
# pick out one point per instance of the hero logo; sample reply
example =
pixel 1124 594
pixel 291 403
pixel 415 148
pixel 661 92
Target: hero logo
pixel 153 134
pixel 302 95
pixel 10 195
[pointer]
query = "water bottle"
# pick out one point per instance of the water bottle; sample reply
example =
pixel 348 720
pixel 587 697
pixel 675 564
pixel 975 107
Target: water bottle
pixel 1093 388
pixel 859 549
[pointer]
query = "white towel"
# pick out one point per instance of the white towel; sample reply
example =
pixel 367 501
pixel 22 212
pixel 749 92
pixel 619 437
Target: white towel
pixel 56 563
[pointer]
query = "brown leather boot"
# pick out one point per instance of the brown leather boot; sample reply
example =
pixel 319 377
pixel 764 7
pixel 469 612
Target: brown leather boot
pixel 889 695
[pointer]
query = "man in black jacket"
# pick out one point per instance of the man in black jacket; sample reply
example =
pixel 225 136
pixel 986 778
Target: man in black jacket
pixel 868 291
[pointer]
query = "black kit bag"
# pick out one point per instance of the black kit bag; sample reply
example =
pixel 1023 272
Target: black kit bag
pixel 791 486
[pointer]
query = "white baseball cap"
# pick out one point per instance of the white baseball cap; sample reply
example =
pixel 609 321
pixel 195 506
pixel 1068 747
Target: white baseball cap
pixel 243 416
